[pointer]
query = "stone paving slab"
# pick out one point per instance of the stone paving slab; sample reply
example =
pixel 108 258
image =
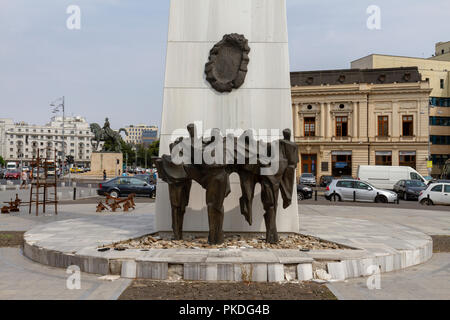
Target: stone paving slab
pixel 75 241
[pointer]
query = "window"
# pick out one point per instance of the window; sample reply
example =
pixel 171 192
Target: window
pixel 407 159
pixel 440 140
pixel 383 126
pixel 447 188
pixel 383 158
pixel 442 83
pixel 415 176
pixel 408 126
pixel 362 186
pixel 440 121
pixel 345 184
pixel 341 126
pixel 310 127
pixel 437 188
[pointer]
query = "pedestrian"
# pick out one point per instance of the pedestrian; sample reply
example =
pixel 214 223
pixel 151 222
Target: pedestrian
pixel 104 175
pixel 24 177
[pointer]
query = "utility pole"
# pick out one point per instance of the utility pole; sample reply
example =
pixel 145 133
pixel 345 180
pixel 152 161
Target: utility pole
pixel 61 107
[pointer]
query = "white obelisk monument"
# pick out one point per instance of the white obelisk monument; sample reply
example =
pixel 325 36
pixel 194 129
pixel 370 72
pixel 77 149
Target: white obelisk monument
pixel 262 102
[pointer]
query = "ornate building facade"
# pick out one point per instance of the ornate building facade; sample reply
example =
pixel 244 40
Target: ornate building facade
pixel 347 118
pixel 436 71
pixel 21 141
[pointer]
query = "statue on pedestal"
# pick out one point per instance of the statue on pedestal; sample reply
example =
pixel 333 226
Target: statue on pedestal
pixel 111 138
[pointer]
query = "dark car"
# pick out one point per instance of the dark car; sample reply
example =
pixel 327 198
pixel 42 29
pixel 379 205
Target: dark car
pixel 124 186
pixel 325 181
pixel 304 192
pixel 409 189
pixel 12 175
pixel 146 177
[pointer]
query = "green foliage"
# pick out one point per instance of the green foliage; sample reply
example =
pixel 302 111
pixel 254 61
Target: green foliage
pixel 139 156
pixel 2 162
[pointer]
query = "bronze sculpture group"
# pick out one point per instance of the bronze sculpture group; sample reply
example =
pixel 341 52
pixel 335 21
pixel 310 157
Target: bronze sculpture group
pixel 214 178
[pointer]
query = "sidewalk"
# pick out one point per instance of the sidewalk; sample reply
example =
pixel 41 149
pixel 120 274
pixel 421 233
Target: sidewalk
pixel 22 279
pixel 429 281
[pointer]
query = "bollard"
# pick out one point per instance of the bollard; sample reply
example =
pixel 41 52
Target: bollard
pixel 354 196
pixel 75 193
pixel 315 195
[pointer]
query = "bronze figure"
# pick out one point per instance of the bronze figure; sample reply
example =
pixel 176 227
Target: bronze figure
pixel 215 179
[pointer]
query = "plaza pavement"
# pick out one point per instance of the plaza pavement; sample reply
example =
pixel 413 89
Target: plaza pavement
pixel 432 277
pixel 427 281
pixel 21 279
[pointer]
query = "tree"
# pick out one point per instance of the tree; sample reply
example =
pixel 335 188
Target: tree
pixel 2 162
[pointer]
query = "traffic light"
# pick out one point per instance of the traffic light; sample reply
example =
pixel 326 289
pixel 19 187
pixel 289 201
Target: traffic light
pixel 70 159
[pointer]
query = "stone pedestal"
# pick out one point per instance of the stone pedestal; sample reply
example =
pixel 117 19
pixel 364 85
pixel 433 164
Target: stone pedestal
pixel 262 102
pixel 109 161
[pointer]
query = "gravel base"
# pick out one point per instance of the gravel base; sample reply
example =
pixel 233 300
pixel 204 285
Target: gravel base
pixel 301 242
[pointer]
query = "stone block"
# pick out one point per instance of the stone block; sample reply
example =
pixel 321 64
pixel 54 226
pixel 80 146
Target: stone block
pixel 128 269
pixel 304 272
pixel 151 270
pixel 275 272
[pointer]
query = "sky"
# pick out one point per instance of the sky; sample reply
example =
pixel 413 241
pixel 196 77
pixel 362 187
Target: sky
pixel 114 65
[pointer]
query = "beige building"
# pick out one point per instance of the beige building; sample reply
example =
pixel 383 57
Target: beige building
pixel 347 118
pixel 136 134
pixel 435 70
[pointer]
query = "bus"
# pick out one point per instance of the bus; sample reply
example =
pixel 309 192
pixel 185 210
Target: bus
pixel 11 166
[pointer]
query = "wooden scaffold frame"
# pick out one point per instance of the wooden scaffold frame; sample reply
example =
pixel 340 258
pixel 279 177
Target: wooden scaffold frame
pixel 41 184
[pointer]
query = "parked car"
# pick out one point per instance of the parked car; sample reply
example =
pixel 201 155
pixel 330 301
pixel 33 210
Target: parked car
pixel 325 180
pixel 123 186
pixel 409 189
pixel 386 177
pixel 308 179
pixel 436 193
pixel 304 192
pixel 347 190
pixel 12 175
pixel 146 177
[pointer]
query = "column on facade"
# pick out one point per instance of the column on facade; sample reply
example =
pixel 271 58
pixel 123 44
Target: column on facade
pixel 329 128
pixel 322 120
pixel 297 120
pixel 396 123
pixel 355 120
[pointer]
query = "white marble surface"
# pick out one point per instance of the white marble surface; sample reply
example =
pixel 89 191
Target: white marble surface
pixel 209 20
pixel 196 218
pixel 263 102
pixel 188 59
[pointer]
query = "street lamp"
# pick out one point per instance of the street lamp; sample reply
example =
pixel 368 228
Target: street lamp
pixel 59 106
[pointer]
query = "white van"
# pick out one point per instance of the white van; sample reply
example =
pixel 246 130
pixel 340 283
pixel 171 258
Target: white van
pixel 385 177
pixel 11 166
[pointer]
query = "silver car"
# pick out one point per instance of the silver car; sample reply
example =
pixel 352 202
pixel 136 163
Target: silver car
pixel 308 179
pixel 349 190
